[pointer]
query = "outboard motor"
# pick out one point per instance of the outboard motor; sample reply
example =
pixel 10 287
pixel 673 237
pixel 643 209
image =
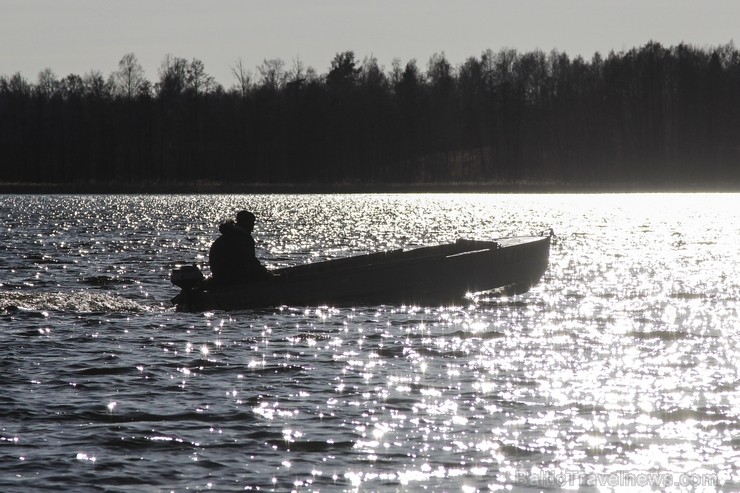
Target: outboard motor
pixel 186 277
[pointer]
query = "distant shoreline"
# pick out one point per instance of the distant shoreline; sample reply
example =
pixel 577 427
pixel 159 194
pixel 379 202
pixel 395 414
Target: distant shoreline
pixel 342 188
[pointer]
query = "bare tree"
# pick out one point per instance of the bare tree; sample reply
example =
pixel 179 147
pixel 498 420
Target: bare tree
pixel 47 85
pixel 72 87
pixel 371 74
pixel 311 75
pixel 172 75
pixel 243 78
pixel 272 73
pixel 95 85
pixel 297 73
pixel 129 79
pixel 197 80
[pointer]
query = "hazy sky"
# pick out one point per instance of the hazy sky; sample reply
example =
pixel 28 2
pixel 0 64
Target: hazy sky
pixel 76 36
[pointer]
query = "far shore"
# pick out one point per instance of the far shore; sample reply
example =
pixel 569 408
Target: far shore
pixel 201 187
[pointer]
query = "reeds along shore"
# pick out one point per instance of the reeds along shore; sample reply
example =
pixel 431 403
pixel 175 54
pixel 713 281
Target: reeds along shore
pixel 646 117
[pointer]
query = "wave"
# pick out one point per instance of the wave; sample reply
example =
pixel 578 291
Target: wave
pixel 13 302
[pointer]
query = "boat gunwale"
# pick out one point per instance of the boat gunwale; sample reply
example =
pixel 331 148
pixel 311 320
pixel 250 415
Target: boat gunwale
pixel 390 257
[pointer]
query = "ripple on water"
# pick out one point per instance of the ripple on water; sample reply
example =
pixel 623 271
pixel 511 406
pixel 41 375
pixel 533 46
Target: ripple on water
pixel 623 360
pixel 38 304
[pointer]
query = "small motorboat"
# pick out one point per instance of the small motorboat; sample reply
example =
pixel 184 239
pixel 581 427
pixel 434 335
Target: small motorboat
pixel 426 276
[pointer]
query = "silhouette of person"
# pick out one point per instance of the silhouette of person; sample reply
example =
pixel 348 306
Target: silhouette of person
pixel 232 256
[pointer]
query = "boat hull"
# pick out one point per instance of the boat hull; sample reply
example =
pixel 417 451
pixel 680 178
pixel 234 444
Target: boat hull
pixel 428 276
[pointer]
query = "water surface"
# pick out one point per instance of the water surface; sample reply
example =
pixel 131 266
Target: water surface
pixel 618 372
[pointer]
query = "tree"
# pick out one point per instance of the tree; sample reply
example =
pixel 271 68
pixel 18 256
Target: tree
pixel 197 80
pixel 129 80
pixel 409 92
pixel 394 76
pixel 173 74
pixel 471 89
pixel 344 70
pixel 72 87
pixel 440 74
pixel 47 85
pixel 243 78
pixel 371 74
pixel 297 74
pixel 95 85
pixel 649 113
pixel 444 131
pixel 272 73
pixel 16 85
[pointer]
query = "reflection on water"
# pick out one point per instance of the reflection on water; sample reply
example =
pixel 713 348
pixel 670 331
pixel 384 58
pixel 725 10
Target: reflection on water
pixel 618 372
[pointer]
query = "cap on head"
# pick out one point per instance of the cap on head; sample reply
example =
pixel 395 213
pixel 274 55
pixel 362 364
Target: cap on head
pixel 244 218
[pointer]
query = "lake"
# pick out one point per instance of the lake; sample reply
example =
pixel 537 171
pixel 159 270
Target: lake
pixel 618 372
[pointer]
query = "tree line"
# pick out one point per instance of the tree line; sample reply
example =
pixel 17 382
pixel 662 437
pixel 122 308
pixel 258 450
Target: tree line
pixel 648 115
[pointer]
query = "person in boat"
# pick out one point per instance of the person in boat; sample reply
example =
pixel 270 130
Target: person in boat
pixel 232 256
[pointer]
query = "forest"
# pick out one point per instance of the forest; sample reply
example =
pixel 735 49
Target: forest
pixel 648 115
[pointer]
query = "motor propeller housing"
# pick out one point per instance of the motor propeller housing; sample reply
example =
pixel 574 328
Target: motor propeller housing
pixel 186 276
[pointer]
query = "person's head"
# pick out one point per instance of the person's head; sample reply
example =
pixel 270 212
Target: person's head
pixel 246 220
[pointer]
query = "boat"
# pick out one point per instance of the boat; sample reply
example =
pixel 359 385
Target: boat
pixel 426 276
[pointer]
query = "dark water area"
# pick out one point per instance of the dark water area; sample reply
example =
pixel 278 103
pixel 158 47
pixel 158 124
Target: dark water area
pixel 619 372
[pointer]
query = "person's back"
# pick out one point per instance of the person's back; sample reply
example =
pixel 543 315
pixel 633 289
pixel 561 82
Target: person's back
pixel 232 256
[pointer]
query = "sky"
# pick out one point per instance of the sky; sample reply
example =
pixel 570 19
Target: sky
pixel 77 36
